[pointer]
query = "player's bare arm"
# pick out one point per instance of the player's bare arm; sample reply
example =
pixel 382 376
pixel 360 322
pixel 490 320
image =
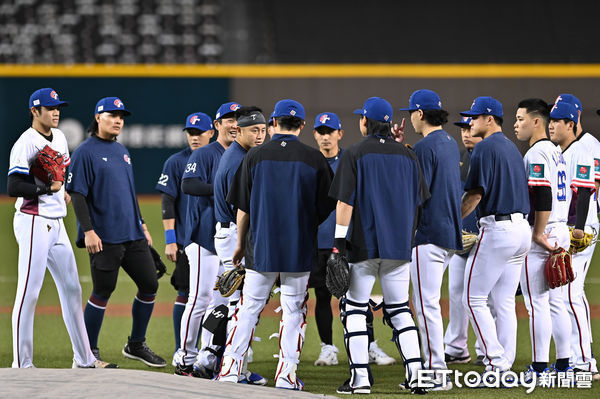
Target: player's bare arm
pixel 470 200
pixel 243 224
pixel 170 249
pixel 343 213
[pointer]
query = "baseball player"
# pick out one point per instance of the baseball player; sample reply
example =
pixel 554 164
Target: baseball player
pixel 251 132
pixel 199 131
pixel 42 237
pixel 439 232
pixel 327 133
pixel 579 155
pixel 204 263
pixel 547 178
pixel 455 339
pixel 497 186
pixel 280 191
pixel 375 221
pixel 111 227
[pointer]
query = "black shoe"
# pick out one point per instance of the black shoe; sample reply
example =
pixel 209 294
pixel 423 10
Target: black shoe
pixel 140 351
pixel 96 353
pixel 416 390
pixel 346 389
pixel 186 371
pixel 479 361
pixel 200 371
pixel 456 359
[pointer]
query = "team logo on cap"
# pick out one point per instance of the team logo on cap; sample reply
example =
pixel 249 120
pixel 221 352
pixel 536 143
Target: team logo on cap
pixel 386 118
pixel 234 107
pixel 118 103
pixel 54 95
pixel 324 118
pixel 194 119
pixel 292 112
pixel 465 119
pixel 127 159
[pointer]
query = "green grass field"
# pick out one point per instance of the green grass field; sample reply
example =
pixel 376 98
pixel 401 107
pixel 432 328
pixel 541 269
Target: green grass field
pixel 53 349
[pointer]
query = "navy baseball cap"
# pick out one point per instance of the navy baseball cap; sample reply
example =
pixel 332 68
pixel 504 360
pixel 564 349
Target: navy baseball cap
pixel 484 106
pixel 564 110
pixel 464 122
pixel 288 108
pixel 328 119
pixel 571 99
pixel 598 111
pixel 227 108
pixel 108 104
pixel 198 120
pixel 45 97
pixel 376 108
pixel 423 99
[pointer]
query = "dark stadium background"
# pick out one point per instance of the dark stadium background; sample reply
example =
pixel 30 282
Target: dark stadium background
pixel 49 43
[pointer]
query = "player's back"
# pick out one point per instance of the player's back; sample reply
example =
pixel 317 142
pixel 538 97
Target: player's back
pixel 383 181
pixel 288 182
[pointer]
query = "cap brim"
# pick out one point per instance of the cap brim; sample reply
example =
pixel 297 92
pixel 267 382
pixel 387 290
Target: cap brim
pixel 469 113
pixel 358 112
pixel 406 109
pixel 462 124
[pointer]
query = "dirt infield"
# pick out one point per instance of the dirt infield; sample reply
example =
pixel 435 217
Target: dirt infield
pixel 103 383
pixel 165 309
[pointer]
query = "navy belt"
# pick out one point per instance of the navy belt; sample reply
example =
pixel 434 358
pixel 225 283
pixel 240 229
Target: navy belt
pixel 500 218
pixel 225 225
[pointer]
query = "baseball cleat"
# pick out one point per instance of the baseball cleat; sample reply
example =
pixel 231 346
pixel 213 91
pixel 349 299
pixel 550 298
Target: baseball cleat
pixel 201 371
pixel 346 389
pixel 441 384
pixel 186 371
pixel 286 383
pixel 479 361
pixel 328 356
pixel 378 356
pixel 98 364
pixel 140 351
pixel 252 379
pixel 449 359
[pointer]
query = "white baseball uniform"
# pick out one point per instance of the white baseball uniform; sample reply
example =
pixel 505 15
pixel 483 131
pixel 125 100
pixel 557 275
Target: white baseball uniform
pixel 582 157
pixel 43 242
pixel 546 167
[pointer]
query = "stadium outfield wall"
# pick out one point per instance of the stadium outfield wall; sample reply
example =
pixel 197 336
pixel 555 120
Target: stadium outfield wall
pixel 160 96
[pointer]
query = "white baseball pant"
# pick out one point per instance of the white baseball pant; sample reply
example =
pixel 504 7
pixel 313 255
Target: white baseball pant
pixel 44 242
pixel 548 315
pixel 427 272
pixel 493 270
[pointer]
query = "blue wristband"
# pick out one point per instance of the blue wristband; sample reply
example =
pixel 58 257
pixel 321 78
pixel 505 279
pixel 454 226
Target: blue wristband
pixel 170 236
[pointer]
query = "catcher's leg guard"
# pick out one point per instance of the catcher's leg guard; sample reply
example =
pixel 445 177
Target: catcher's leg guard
pixel 405 335
pixel 356 340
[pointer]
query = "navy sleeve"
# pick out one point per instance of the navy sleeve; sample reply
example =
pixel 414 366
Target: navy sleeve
pixel 196 166
pixel 241 187
pixel 343 187
pixel 477 176
pixel 168 182
pixel 325 203
pixel 80 176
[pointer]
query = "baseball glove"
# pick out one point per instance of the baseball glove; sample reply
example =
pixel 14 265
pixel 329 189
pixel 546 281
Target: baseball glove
pixel 161 269
pixel 558 271
pixel 228 282
pixel 579 244
pixel 49 165
pixel 468 240
pixel 337 278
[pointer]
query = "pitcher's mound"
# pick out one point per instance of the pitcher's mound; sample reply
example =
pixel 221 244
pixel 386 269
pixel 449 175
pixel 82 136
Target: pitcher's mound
pixel 121 383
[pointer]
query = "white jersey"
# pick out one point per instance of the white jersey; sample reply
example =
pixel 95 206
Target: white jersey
pixel 580 173
pixel 22 156
pixel 546 167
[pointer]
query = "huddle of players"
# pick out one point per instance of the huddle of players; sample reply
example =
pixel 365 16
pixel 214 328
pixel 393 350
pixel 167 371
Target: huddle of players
pixel 285 186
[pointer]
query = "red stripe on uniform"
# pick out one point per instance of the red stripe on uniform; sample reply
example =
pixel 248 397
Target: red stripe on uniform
pixel 25 290
pixel 469 298
pixel 187 325
pixel 532 310
pixel 576 322
pixel 422 308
